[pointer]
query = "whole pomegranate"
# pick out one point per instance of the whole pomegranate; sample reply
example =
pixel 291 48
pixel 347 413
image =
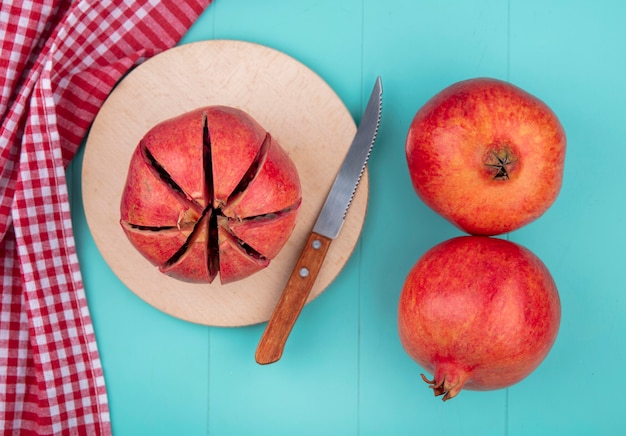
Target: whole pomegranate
pixel 486 155
pixel 208 192
pixel 479 313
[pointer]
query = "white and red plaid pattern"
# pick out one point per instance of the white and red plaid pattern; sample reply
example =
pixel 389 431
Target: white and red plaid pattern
pixel 59 59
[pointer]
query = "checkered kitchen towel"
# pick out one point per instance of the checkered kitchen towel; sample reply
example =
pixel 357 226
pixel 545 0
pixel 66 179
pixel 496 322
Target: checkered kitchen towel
pixel 58 61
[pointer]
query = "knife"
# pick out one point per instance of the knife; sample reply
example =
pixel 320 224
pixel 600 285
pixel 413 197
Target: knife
pixel 326 228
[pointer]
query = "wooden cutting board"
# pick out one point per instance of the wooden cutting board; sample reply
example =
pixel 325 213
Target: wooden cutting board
pixel 294 104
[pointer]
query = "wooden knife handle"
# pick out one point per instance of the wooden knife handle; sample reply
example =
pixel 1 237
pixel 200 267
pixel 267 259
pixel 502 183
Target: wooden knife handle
pixel 292 300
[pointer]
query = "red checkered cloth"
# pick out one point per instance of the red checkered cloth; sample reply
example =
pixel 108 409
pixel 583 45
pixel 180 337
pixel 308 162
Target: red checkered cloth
pixel 59 59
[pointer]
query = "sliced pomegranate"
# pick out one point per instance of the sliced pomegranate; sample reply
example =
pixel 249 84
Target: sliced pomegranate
pixel 209 192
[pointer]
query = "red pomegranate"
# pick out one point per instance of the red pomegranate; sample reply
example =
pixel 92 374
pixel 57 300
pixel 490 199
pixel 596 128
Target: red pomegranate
pixel 486 155
pixel 479 313
pixel 210 191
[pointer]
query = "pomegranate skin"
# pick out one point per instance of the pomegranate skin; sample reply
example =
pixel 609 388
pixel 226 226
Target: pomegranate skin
pixel 486 155
pixel 478 313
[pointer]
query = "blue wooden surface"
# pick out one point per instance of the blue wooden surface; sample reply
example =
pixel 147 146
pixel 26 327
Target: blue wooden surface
pixel 344 371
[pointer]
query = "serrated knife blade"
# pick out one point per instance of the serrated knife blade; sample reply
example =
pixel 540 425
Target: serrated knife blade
pixel 326 228
pixel 333 213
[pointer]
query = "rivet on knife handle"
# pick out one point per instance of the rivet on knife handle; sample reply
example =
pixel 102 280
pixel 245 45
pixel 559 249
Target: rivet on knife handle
pixel 292 300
